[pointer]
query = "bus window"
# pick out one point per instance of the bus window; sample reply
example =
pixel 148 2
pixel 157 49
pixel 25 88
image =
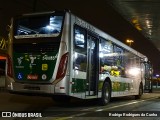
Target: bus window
pixel 80 37
pixel 133 60
pixel 106 56
pixel 38 25
pixel 119 59
pixel 112 58
pixel 80 54
pixel 132 64
pixel 80 62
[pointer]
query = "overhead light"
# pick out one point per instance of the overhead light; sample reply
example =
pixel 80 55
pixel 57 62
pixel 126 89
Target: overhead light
pixel 129 41
pixel 135 22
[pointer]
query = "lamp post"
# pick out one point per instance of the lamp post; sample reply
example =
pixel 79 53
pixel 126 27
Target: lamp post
pixel 129 41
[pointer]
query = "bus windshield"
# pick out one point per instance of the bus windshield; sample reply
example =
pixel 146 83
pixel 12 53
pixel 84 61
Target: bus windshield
pixel 38 26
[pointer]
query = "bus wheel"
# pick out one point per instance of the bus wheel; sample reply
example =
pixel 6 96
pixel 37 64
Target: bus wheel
pixel 106 94
pixel 140 92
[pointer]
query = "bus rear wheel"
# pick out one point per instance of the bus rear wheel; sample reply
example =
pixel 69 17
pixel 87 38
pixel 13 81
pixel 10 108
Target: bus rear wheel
pixel 106 94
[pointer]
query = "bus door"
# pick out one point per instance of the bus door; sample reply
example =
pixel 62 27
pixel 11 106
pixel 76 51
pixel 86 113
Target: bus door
pixel 147 77
pixel 92 65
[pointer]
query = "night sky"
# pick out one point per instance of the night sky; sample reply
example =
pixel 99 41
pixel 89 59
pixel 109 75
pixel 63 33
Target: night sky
pixel 98 13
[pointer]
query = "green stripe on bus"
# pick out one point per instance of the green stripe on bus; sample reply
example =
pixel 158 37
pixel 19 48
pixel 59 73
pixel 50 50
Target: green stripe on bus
pixel 79 85
pixel 117 86
pixel 121 86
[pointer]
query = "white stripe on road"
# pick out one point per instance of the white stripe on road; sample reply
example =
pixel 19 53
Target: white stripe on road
pixel 102 109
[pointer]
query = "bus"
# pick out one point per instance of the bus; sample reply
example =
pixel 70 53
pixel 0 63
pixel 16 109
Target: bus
pixel 59 54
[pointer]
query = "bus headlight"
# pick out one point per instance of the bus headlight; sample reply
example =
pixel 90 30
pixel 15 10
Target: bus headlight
pixel 134 71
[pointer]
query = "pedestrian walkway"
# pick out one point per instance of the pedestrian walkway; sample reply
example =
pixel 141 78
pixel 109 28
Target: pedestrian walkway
pixel 155 93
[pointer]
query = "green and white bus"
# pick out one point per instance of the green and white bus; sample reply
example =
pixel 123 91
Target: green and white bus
pixel 59 54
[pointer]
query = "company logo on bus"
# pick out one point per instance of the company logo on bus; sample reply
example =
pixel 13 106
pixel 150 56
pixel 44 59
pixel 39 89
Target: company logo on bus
pixel 46 57
pixel 32 77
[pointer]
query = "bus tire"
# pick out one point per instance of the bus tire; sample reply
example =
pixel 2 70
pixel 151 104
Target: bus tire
pixel 106 94
pixel 140 92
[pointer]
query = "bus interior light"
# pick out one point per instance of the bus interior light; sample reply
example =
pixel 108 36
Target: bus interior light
pixel 134 71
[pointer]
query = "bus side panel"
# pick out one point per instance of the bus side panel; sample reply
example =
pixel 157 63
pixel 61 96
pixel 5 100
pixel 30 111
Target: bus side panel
pixel 75 84
pixel 62 85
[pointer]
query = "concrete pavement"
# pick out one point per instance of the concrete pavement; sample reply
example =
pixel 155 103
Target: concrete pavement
pixel 155 93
